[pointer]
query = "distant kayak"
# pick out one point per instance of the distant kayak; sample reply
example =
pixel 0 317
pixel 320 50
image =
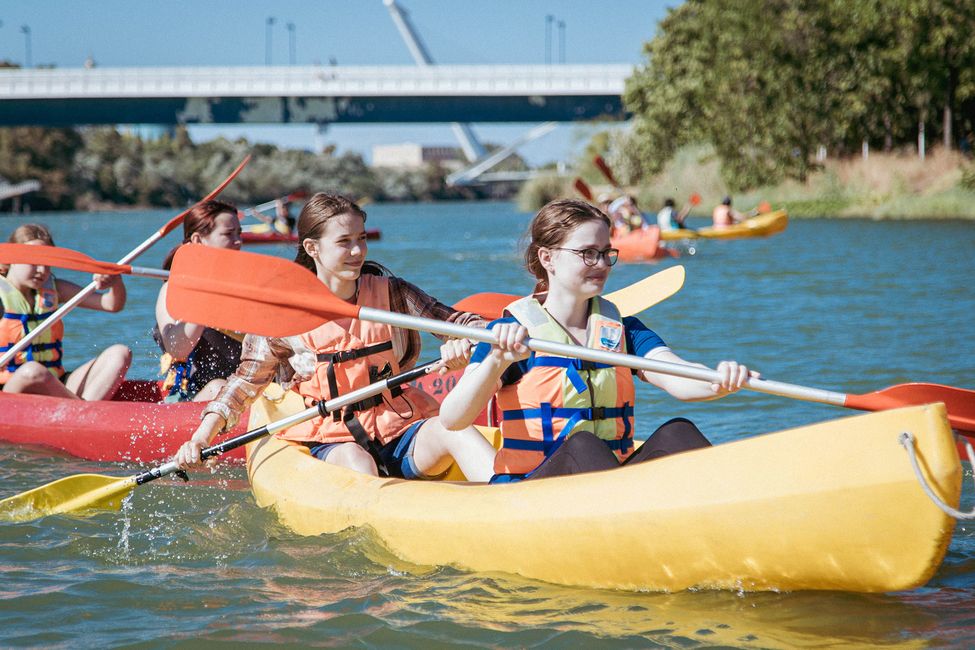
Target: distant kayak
pixel 763 225
pixel 642 245
pixel 268 236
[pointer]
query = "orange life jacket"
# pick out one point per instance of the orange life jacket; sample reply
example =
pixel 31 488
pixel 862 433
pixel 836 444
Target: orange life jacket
pixel 354 353
pixel 19 318
pixel 559 394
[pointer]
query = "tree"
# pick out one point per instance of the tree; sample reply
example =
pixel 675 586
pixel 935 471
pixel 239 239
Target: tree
pixel 767 82
pixel 43 154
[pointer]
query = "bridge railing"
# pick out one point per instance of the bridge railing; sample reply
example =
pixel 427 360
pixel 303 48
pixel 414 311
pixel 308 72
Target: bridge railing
pixel 315 81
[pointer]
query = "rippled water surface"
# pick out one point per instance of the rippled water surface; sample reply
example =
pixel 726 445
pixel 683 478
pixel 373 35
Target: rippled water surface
pixel 846 305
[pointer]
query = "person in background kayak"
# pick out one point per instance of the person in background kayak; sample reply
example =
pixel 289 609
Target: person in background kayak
pixel 626 216
pixel 669 218
pixel 396 433
pixel 30 293
pixel 561 415
pixel 196 358
pixel 724 215
pixel 284 223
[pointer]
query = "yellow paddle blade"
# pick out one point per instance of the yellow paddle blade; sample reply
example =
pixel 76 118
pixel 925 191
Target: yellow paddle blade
pixel 646 293
pixel 69 494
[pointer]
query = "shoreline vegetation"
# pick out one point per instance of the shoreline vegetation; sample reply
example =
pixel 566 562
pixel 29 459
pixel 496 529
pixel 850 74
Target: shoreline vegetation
pixel 825 108
pixel 99 168
pixel 882 186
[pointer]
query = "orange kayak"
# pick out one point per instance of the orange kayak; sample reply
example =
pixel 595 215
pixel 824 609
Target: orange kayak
pixel 641 245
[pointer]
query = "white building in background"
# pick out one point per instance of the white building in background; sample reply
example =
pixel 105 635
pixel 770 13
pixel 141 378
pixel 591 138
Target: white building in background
pixel 409 155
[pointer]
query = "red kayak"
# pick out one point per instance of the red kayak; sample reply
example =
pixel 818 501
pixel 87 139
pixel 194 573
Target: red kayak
pixel 439 385
pixel 274 237
pixel 641 245
pixel 134 427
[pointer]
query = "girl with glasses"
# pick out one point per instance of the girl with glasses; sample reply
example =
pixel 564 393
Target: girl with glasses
pixel 562 415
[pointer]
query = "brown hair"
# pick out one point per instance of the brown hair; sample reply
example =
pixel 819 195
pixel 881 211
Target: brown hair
pixel 551 227
pixel 202 218
pixel 26 233
pixel 312 221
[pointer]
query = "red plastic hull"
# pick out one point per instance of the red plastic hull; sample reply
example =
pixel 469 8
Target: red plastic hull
pixel 135 428
pixel 641 245
pixel 278 238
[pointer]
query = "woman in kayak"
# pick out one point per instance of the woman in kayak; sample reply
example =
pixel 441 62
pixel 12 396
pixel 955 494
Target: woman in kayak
pixel 30 293
pixel 396 433
pixel 196 358
pixel 562 415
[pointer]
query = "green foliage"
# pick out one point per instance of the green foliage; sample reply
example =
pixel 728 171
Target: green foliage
pixel 92 167
pixel 42 154
pixel 540 190
pixel 767 82
pixel 968 177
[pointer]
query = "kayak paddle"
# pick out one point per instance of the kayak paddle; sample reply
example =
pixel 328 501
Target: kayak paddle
pixel 630 300
pixel 607 172
pixel 66 258
pixel 583 189
pixel 95 491
pixel 267 205
pixel 274 297
pixel 134 253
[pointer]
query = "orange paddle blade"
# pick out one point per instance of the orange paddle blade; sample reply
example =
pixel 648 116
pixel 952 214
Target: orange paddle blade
pixel 960 402
pixel 695 199
pixel 248 292
pixel 604 168
pixel 62 258
pixel 488 305
pixel 764 207
pixel 583 189
pixel 178 219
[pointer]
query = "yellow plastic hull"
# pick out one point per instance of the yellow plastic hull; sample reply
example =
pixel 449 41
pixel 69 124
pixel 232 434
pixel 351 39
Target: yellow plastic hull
pixel 761 226
pixel 829 506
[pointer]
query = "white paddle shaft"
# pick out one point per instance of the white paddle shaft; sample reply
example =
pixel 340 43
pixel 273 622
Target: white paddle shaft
pixel 601 356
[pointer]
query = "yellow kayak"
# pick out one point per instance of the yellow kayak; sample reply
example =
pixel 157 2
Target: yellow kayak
pixel 763 225
pixel 831 506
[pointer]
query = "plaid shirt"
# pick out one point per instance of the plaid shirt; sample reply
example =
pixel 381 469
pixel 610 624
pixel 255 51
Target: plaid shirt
pixel 289 361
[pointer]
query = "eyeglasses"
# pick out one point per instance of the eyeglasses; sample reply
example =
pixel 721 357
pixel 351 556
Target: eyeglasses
pixel 590 256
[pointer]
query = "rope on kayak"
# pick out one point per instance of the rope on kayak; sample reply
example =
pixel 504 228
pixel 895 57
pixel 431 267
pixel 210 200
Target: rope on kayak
pixel 907 441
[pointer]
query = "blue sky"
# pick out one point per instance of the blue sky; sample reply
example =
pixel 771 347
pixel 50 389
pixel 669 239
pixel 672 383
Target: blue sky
pixel 355 32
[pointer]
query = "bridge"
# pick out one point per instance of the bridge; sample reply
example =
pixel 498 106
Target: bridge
pixel 311 94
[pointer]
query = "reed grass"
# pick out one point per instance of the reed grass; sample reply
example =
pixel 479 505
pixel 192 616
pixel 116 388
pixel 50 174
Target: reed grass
pixel 883 186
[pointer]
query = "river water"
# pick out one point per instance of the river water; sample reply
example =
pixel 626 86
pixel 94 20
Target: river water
pixel 847 305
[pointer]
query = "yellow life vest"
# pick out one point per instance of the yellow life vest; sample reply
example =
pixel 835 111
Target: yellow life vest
pixel 560 394
pixel 19 318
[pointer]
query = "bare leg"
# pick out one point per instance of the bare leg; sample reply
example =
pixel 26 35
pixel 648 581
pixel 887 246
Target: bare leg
pixel 34 378
pixel 350 455
pixel 436 448
pixel 100 378
pixel 209 392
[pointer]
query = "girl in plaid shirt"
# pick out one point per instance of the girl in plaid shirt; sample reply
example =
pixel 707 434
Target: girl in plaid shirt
pixel 397 433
